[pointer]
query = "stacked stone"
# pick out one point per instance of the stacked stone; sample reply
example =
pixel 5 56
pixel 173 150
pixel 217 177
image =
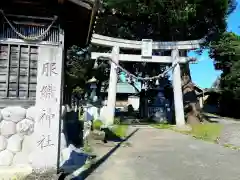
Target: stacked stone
pixel 16 135
pixel 16 126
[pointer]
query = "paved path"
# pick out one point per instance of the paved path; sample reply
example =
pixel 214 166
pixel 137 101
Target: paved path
pixel 222 120
pixel 166 155
pixel 231 130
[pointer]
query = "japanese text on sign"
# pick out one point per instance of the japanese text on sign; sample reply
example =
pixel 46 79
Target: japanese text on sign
pixel 47 92
pixel 49 69
pixel 45 141
pixel 46 116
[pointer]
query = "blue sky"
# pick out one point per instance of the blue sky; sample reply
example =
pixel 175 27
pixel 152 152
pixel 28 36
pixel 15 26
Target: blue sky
pixel 203 73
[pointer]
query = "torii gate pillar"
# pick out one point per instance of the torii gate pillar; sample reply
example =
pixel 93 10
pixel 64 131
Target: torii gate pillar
pixel 112 88
pixel 177 90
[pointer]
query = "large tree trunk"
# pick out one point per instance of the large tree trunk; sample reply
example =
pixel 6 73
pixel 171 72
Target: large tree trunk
pixel 191 104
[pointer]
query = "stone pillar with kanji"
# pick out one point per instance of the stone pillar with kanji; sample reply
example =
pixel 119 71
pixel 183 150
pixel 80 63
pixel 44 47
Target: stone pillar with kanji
pixel 48 108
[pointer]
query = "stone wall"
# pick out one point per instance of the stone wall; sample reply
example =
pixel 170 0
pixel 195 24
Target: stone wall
pixel 16 135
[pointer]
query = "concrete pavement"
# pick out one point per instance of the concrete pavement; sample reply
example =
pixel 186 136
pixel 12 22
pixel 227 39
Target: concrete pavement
pixel 157 154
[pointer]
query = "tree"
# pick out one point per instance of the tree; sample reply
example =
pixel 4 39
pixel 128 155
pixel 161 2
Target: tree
pixel 226 55
pixel 79 68
pixel 164 19
pixel 225 51
pixel 216 83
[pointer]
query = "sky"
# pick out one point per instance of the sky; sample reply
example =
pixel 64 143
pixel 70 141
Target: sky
pixel 203 73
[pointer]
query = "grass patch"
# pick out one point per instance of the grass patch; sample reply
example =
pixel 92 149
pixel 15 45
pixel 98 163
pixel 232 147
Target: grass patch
pixel 187 132
pixel 231 146
pixel 120 130
pixel 209 131
pixel 17 177
pixel 162 126
pixel 116 131
pixel 87 148
pixel 97 124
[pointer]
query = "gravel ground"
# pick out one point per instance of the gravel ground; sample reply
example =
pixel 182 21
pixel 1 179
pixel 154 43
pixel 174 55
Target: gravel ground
pixel 167 155
pixel 231 135
pixel 155 154
pixel 231 130
pixel 49 175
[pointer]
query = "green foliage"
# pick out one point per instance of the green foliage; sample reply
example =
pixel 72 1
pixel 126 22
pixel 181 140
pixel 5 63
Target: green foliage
pixel 78 90
pixel 209 131
pixel 163 20
pixel 18 177
pixel 226 54
pixel 87 148
pixel 231 81
pixel 162 126
pixel 79 68
pixel 225 51
pixel 120 130
pixel 97 124
pixel 232 146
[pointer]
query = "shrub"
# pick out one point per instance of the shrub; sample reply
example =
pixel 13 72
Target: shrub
pixel 120 130
pixel 97 124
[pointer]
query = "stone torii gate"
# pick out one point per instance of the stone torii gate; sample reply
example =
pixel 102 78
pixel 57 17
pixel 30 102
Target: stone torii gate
pixel 175 58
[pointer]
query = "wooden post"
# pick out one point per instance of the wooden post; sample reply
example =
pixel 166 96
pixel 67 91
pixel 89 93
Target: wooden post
pixel 177 90
pixel 112 89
